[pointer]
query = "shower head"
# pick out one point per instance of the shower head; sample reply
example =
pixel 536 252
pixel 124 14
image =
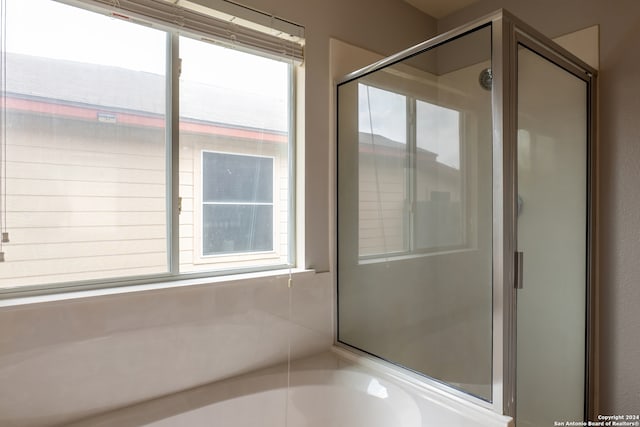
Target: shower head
pixel 486 78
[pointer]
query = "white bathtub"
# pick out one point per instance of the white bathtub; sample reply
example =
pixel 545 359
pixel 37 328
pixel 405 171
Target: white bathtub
pixel 326 390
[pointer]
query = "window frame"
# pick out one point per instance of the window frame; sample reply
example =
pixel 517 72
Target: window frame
pixel 173 200
pixel 239 262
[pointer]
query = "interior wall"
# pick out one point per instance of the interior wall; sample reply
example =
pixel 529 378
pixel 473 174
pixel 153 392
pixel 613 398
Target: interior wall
pixel 64 360
pixel 618 175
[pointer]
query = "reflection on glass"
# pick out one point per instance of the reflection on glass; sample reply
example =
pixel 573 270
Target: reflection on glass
pixel 439 215
pixel 415 214
pixel 382 130
pixel 438 133
pixel 382 112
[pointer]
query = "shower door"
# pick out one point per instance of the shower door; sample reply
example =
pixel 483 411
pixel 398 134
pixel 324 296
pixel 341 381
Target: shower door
pixel 553 156
pixel 464 218
pixel 415 213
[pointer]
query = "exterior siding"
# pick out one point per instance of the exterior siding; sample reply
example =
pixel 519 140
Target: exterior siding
pixel 86 200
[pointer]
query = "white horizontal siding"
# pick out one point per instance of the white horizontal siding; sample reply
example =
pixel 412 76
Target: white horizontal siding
pixel 84 264
pixel 28 252
pixel 88 201
pixel 74 219
pixel 65 277
pixel 54 157
pixel 62 203
pixel 40 171
pixel 41 235
pixel 78 188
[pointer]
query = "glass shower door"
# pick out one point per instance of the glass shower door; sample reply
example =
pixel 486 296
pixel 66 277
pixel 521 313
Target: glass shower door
pixel 451 156
pixel 415 217
pixel 552 224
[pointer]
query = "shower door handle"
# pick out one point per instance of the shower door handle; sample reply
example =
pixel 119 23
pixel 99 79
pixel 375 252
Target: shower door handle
pixel 518 270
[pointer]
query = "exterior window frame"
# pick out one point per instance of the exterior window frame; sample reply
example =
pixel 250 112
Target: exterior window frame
pixel 173 200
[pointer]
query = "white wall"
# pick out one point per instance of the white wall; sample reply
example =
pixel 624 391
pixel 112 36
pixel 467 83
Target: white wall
pixel 67 359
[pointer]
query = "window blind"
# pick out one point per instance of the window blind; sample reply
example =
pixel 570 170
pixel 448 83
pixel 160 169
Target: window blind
pixel 226 23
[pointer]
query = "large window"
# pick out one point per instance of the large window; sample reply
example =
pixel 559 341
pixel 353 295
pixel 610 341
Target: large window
pixel 132 150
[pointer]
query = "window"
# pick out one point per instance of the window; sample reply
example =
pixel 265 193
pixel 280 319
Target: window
pixel 410 176
pixel 237 211
pixel 120 165
pixel 235 151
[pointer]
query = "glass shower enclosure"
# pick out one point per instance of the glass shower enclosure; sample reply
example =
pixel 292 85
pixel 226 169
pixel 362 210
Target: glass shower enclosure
pixel 465 217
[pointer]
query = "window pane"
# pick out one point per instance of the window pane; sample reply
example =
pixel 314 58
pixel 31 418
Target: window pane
pixel 234 154
pixel 237 228
pixel 439 209
pixel 429 308
pixel 382 126
pixel 85 146
pixel 234 178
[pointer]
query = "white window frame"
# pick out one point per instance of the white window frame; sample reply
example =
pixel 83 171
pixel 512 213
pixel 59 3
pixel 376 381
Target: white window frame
pixel 253 33
pixel 411 247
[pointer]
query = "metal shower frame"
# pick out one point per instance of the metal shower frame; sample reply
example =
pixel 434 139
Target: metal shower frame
pixel 509 32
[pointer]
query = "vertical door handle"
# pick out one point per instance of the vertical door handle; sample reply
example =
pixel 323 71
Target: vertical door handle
pixel 518 270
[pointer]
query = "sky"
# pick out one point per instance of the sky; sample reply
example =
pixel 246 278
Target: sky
pixel 50 29
pixel 384 113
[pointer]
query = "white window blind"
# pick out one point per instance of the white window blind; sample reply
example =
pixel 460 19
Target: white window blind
pixel 227 23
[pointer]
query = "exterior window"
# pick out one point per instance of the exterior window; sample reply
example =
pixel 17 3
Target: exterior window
pixel 104 119
pixel 237 211
pixel 234 159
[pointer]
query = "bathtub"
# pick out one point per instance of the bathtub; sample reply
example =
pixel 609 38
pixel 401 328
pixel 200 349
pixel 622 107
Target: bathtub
pixel 326 390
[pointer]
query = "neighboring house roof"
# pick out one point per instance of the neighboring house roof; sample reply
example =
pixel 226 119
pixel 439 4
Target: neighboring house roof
pixel 136 91
pixel 87 91
pixel 378 144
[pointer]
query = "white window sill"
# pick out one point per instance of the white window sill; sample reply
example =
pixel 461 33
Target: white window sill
pixel 154 286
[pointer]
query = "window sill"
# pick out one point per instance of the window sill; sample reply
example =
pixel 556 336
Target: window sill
pixel 19 301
